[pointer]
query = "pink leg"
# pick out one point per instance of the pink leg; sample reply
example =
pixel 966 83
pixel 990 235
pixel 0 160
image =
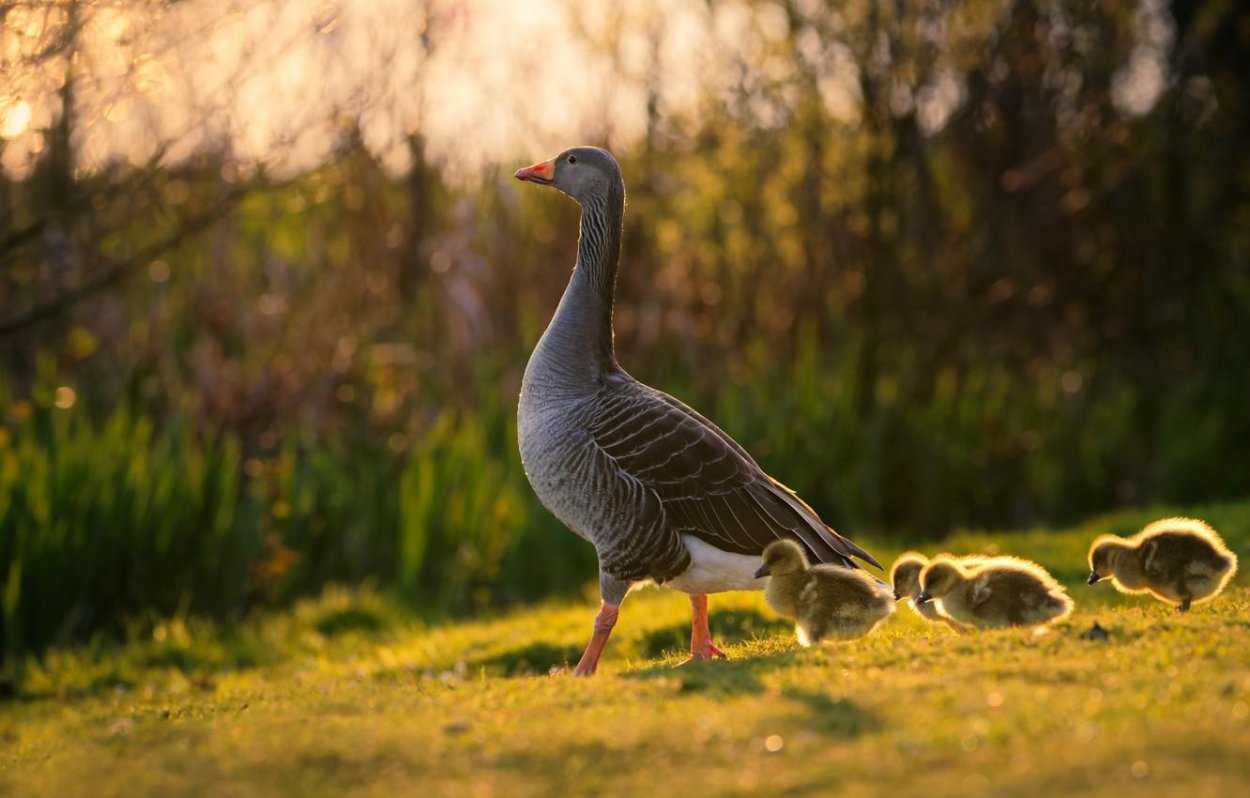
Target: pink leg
pixel 604 621
pixel 700 637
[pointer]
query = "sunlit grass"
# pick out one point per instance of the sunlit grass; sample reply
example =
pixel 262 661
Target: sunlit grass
pixel 349 693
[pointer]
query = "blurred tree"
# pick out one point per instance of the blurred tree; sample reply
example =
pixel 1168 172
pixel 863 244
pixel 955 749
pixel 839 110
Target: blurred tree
pixel 935 264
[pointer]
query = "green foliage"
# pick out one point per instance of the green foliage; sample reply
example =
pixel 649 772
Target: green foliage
pixel 471 534
pixel 102 524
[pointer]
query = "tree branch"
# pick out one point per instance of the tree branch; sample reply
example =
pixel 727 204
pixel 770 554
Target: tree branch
pixel 116 271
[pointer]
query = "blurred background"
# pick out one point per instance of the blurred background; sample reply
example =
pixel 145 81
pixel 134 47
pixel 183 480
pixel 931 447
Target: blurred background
pixel 267 286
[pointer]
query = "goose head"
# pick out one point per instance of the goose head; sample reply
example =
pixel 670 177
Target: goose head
pixel 1102 555
pixel 582 173
pixel 905 575
pixel 937 579
pixel 782 557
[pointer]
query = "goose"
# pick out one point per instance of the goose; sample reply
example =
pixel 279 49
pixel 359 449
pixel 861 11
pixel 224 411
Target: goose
pixel 1174 559
pixel 994 592
pixel 824 601
pixel 662 494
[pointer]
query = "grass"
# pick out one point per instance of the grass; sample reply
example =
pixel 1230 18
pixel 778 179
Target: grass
pixel 349 694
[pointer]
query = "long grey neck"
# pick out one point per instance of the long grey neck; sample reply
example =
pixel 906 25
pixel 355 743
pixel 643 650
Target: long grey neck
pixel 577 347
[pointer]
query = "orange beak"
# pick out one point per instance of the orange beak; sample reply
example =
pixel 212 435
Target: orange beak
pixel 542 173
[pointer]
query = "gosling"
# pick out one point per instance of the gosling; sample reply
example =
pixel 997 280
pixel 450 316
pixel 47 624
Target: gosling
pixel 905 577
pixel 1181 560
pixel 994 593
pixel 825 601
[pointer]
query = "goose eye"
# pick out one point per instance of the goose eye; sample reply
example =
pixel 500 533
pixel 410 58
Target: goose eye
pixel 572 159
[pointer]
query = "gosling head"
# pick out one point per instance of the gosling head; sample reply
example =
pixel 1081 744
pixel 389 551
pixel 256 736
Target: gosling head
pixel 1102 554
pixel 937 579
pixel 580 172
pixel 782 557
pixel 905 575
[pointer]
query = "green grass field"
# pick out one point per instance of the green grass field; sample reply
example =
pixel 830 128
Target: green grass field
pixel 348 694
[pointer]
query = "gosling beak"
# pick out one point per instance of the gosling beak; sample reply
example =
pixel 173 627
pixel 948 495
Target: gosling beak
pixel 762 572
pixel 1093 577
pixel 923 597
pixel 542 173
pixel 897 595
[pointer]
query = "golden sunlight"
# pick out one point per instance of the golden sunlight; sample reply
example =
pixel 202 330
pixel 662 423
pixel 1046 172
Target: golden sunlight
pixel 16 120
pixel 279 84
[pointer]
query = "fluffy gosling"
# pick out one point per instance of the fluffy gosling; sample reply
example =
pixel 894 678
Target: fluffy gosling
pixel 994 593
pixel 1181 560
pixel 825 601
pixel 905 578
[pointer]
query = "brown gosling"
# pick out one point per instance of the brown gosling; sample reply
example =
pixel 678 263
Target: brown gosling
pixel 825 601
pixel 994 592
pixel 1181 560
pixel 905 578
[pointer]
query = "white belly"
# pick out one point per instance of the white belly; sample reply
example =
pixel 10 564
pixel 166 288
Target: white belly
pixel 714 571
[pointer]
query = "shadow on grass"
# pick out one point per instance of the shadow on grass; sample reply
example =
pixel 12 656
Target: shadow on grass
pixel 728 624
pixel 535 658
pixel 831 715
pixel 738 675
pixel 836 717
pixel 540 658
pixel 350 619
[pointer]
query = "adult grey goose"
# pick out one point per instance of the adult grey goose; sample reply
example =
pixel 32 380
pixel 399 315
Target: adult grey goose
pixel 661 492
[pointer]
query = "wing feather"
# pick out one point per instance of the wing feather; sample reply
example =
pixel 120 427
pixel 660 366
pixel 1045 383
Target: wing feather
pixel 706 483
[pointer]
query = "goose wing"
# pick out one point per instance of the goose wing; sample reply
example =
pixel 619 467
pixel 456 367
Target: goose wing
pixel 706 483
